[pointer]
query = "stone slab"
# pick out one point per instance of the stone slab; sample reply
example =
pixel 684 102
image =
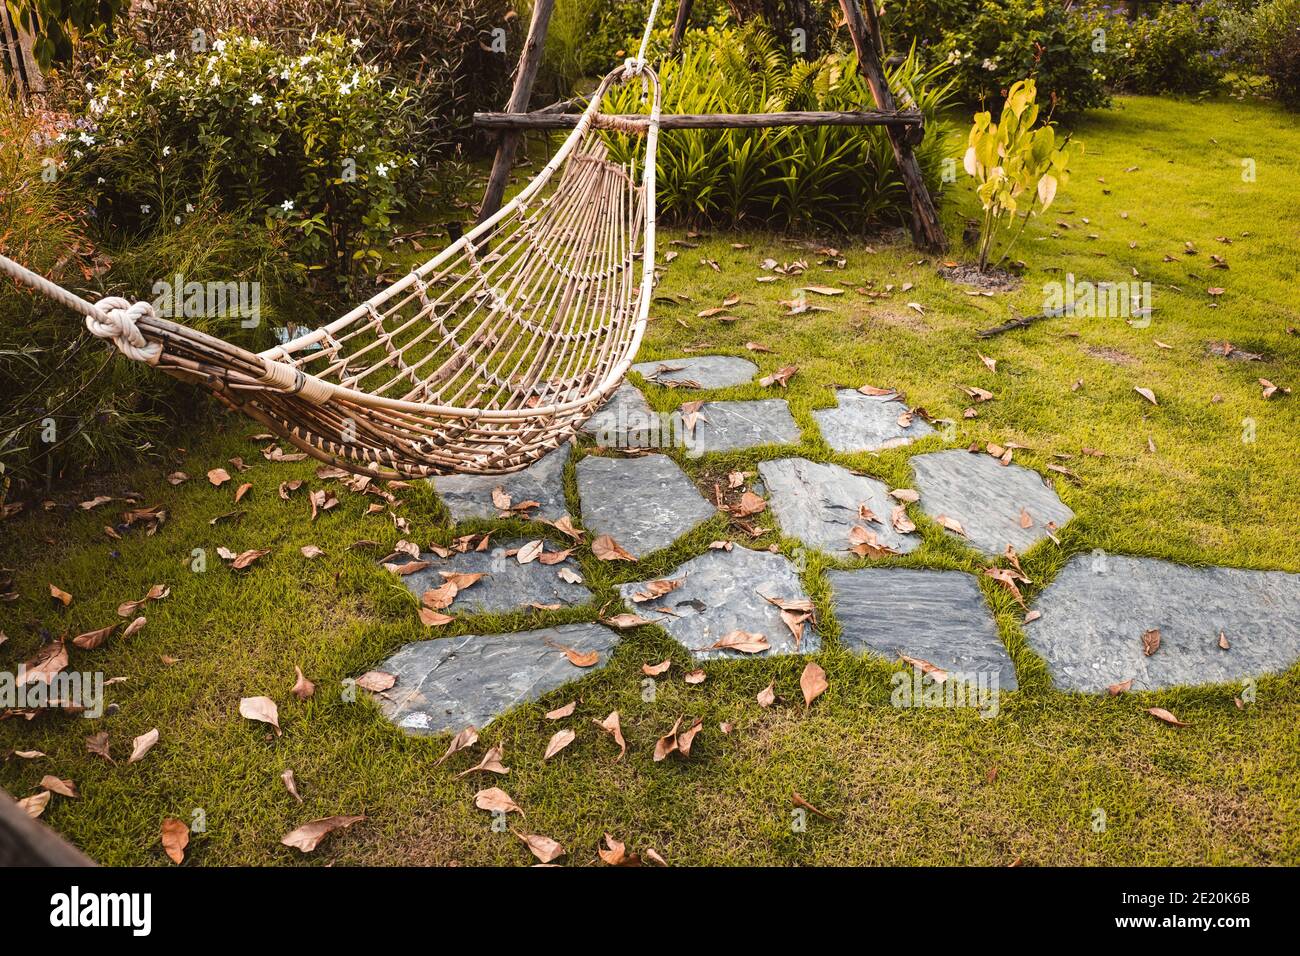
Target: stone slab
pixel 1095 612
pixel 937 616
pixel 819 504
pixel 724 591
pixel 508 585
pixel 867 423
pixel 644 504
pixel 470 496
pixel 987 497
pixel 445 685
pixel 733 426
pixel 701 371
pixel 625 421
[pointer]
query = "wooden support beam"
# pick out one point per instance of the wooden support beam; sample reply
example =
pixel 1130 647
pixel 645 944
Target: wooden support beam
pixel 529 63
pixel 926 230
pixel 28 842
pixel 679 26
pixel 545 119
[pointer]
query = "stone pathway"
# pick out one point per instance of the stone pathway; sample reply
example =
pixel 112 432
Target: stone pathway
pixel 699 371
pixel 993 502
pixel 1093 615
pixel 507 585
pixel 732 426
pixel 724 591
pixel 470 496
pixel 820 504
pixel 450 684
pixel 867 422
pixel 935 616
pixel 1096 610
pixel 644 504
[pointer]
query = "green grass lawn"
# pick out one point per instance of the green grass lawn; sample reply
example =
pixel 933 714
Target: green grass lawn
pixel 1177 481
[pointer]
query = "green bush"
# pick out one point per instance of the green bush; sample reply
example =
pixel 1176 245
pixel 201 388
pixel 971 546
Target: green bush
pixel 71 404
pixel 316 141
pixel 787 176
pixel 1174 50
pixel 1266 40
pixel 991 44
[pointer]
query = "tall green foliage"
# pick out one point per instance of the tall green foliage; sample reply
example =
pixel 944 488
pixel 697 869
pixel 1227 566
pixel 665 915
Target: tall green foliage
pixel 54 24
pixel 842 177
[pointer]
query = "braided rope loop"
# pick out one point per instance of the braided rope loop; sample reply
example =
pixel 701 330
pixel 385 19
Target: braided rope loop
pixel 121 328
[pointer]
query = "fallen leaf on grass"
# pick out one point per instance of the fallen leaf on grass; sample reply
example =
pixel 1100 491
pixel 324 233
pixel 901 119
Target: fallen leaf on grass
pixel 97 744
pixel 801 802
pixel 767 696
pixel 544 848
pixel 491 763
pixel 139 746
pixel 64 788
pixel 309 836
pixel 614 853
pixel 218 477
pixel 35 805
pixel 63 597
pixel 432 618
pixel 496 800
pixel 46 663
pixel 694 677
pixel 175 838
pixel 654 670
pixel 613 727
pixel 1146 393
pixel 302 688
pixel 466 738
pixel 134 627
pixel 1161 714
pixel 607 549
pixel 812 682
pixel 312 551
pixel 93 639
pixel 261 709
pixel 625 621
pixel 559 740
pixel 560 713
pixel 290 784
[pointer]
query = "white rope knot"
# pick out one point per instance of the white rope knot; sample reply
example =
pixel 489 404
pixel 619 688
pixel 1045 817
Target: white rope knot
pixel 633 66
pixel 121 328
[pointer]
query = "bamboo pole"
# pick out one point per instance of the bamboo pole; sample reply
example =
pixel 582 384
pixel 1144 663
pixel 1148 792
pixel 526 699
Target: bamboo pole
pixel 545 119
pixel 529 63
pixel 926 230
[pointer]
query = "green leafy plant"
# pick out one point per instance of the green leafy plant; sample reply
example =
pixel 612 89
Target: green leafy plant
pixel 794 177
pixel 1018 167
pixel 1176 49
pixel 317 142
pixel 55 24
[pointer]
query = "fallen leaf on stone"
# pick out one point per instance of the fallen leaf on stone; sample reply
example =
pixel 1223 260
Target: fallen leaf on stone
pixel 1224 643
pixel 625 621
pixel 376 681
pixel 544 848
pixel 1151 641
pixel 496 800
pixel 812 682
pixel 936 673
pixel 745 642
pixel 613 727
pixel 767 696
pixel 901 522
pixel 656 589
pixel 408 567
pixel 491 763
pixel 139 746
pixel 906 495
pixel 1033 616
pixel 261 709
pixel 529 552
pixel 607 549
pixel 1161 714
pixel 308 836
pixel 559 740
pixel 1121 688
pixel 175 838
pixel 570 576
pixel 578 658
pixel 952 524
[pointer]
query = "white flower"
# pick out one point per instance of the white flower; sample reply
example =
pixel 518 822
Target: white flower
pixel 167 150
pixel 100 181
pixel 382 170
pixel 177 220
pixel 287 205
pixel 215 81
pixel 189 207
pixel 345 88
pixel 218 45
pixel 145 208
pixel 255 99
pixel 356 44
pixel 87 139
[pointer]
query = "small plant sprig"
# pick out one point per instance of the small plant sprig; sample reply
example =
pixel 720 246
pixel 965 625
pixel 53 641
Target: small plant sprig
pixel 1017 167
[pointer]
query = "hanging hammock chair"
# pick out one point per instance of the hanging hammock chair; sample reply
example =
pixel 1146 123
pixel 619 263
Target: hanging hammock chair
pixel 479 361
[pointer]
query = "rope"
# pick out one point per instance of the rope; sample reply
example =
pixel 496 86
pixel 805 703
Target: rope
pixel 112 318
pixel 635 66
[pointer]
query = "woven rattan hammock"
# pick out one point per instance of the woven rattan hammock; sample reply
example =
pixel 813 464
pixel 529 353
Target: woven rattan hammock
pixel 481 360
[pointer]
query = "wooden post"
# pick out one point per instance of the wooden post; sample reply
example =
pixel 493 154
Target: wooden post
pixel 679 26
pixel 13 55
pixel 926 230
pixel 529 62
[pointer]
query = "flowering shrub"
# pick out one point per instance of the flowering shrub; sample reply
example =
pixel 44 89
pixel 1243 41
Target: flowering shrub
pixel 1174 50
pixel 316 142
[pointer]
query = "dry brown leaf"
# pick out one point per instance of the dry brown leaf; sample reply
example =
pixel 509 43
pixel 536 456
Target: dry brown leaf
pixel 559 713
pixel 654 670
pixel 1146 393
pixel 491 763
pixel 302 687
pixel 559 740
pixel 529 551
pixel 432 618
pixel 496 800
pixel 936 673
pixel 694 677
pixel 312 551
pixel 134 627
pixel 667 744
pixel 308 836
pixel 64 788
pixel 63 597
pixel 290 784
pixel 1114 690
pixel 261 709
pixel 1161 714
pixel 544 848
pixel 607 549
pixel 139 746
pixel 93 639
pixel 801 802
pixel 744 642
pixel 1224 643
pixel 625 621
pixel 175 838
pixel 466 738
pixel 613 727
pixel 1151 641
pixel 767 696
pixel 218 477
pixel 905 495
pixel 812 682
pixel 35 805
pixel 376 681
pixel 97 744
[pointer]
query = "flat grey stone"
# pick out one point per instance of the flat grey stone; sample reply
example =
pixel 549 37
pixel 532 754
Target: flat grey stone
pixel 644 504
pixel 507 586
pixel 987 497
pixel 701 371
pixel 819 504
pixel 937 616
pixel 724 591
pixel 451 683
pixel 625 421
pixel 732 426
pixel 867 422
pixel 1095 612
pixel 470 496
